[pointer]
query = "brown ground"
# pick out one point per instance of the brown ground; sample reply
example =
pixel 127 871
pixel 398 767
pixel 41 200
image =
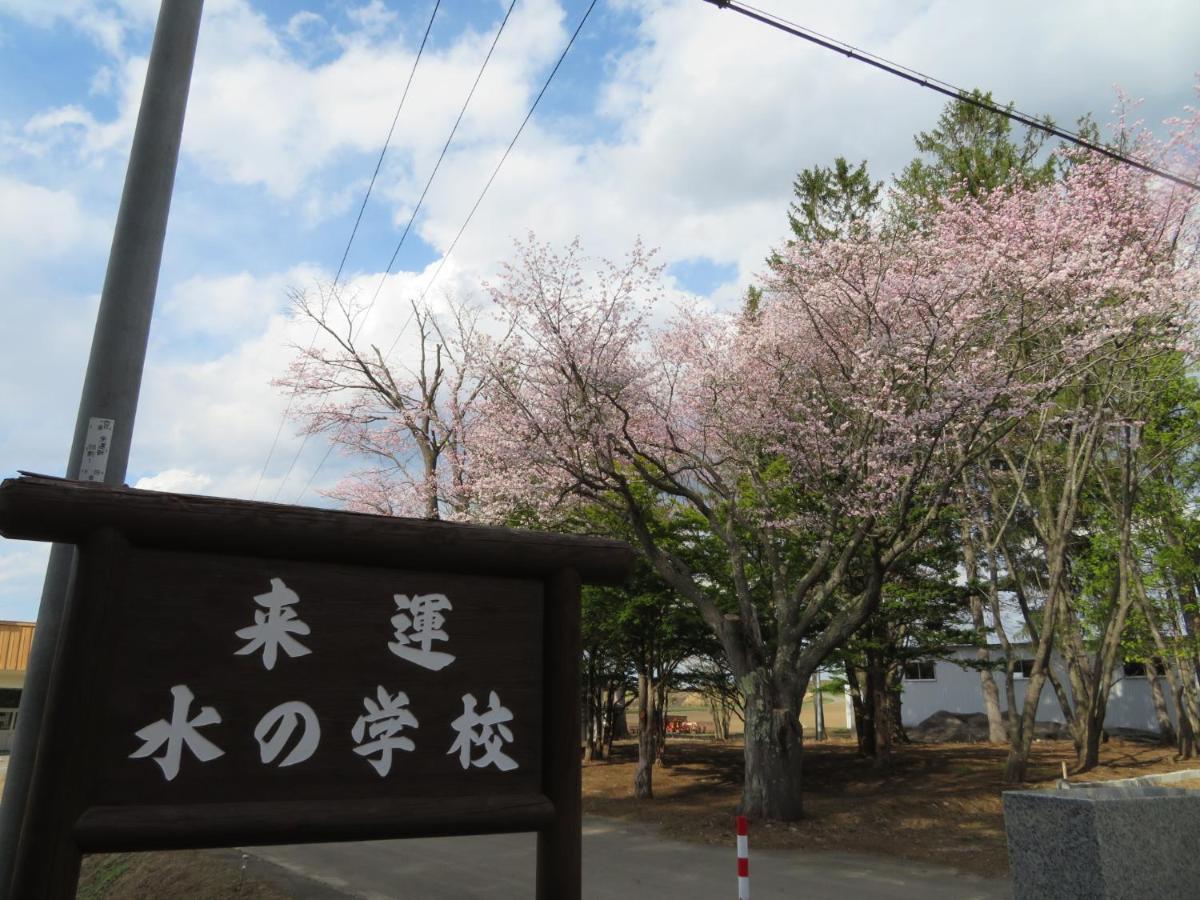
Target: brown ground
pixel 939 804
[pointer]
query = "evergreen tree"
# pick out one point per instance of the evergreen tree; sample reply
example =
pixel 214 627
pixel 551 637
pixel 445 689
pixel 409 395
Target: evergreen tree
pixel 970 152
pixel 836 203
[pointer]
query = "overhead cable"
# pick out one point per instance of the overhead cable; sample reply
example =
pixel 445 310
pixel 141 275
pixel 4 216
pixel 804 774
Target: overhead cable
pixel 496 171
pixel 416 209
pixel 470 215
pixel 345 254
pixel 945 88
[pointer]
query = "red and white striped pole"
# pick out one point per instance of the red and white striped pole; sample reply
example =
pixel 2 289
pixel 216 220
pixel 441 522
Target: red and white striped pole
pixel 743 847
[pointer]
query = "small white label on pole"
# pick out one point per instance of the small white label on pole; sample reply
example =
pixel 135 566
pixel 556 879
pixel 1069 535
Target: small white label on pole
pixel 96 449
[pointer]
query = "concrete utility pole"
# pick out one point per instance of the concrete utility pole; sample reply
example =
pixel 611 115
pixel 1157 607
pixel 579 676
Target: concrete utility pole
pixel 108 404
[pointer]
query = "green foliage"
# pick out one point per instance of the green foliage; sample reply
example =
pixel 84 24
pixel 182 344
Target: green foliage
pixel 922 612
pixel 835 203
pixel 752 302
pixel 970 151
pixel 643 625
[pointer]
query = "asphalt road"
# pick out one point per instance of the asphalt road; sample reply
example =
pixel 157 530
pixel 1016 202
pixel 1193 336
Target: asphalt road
pixel 621 861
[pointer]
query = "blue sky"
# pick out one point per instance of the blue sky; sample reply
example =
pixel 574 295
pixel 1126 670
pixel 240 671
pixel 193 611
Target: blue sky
pixel 670 120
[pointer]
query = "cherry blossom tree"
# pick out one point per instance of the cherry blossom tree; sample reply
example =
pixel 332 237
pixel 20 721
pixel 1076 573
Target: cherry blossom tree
pixel 819 437
pixel 408 414
pixel 1051 462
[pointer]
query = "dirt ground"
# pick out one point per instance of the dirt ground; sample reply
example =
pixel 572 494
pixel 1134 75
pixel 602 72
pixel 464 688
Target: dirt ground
pixel 940 803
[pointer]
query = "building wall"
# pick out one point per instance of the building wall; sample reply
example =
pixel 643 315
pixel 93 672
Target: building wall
pixel 957 689
pixel 15 641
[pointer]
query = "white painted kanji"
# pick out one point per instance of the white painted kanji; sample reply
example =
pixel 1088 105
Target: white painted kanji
pixel 385 718
pixel 284 719
pixel 418 624
pixel 486 730
pixel 178 733
pixel 274 625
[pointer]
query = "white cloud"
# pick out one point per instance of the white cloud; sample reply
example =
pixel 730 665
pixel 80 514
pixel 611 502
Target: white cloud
pixel 22 565
pixel 231 306
pixel 303 22
pixel 102 82
pixel 39 225
pixel 106 24
pixel 259 114
pixel 182 481
pixel 373 17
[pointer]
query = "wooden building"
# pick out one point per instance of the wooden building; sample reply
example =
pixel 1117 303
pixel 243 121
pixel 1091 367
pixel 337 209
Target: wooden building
pixel 15 639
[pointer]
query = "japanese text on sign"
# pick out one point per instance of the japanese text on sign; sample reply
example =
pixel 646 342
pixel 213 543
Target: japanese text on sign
pixel 387 725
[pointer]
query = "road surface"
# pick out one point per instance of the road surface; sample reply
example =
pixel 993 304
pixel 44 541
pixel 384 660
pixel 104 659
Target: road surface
pixel 621 861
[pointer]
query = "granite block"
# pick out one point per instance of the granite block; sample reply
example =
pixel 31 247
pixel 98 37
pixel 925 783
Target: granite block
pixel 1124 842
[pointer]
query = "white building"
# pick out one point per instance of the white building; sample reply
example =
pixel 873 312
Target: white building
pixel 942 684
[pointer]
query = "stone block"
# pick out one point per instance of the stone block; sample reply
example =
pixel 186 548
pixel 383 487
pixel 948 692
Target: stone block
pixel 1126 841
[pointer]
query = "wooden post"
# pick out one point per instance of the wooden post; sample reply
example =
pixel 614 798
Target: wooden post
pixel 560 847
pixel 48 857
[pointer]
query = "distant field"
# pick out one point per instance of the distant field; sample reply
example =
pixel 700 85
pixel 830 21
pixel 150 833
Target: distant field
pixel 835 715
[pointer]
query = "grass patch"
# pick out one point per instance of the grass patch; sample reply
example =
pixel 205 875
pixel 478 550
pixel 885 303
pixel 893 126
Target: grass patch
pixel 194 874
pixel 103 873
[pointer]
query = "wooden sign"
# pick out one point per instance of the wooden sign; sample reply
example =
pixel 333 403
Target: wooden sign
pixel 234 673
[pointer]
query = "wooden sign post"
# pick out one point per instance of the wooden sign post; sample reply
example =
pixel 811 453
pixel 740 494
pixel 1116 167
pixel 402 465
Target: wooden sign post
pixel 234 673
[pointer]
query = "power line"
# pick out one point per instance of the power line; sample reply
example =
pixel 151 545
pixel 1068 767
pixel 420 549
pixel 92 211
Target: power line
pixel 474 208
pixel 943 87
pixel 404 234
pixel 496 171
pixel 387 142
pixel 345 254
pixel 416 209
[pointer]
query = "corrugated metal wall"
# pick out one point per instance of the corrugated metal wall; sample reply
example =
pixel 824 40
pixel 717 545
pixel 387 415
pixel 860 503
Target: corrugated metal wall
pixel 15 638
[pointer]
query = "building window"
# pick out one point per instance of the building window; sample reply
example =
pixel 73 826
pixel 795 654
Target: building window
pixel 920 670
pixel 1023 668
pixel 1138 669
pixel 8 719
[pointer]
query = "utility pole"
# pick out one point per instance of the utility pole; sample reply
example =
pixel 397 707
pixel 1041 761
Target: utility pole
pixel 108 403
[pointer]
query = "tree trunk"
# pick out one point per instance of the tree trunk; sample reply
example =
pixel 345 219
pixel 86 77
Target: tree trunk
pixel 877 701
pixel 601 726
pixel 1183 686
pixel 1021 729
pixel 1122 600
pixel 661 698
pixel 593 723
pixel 1187 734
pixel 721 716
pixel 819 709
pixel 774 743
pixel 643 777
pixel 895 708
pixel 1166 728
pixel 1091 748
pixel 864 724
pixel 997 733
pixel 1010 656
pixel 618 722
